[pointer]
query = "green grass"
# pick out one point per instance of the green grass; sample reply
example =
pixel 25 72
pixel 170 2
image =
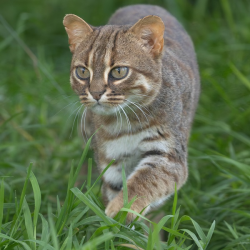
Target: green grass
pixel 40 207
pixel 82 224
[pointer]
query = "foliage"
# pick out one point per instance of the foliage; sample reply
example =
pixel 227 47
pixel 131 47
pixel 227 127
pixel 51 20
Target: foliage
pixel 38 123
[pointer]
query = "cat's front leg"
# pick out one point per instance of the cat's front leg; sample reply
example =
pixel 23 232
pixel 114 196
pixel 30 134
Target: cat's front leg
pixel 152 181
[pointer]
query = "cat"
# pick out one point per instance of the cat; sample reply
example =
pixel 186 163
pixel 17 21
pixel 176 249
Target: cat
pixel 138 79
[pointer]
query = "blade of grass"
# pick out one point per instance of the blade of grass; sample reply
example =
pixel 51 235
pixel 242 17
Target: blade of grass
pixel 100 176
pixel 175 233
pixel 137 214
pixel 1 203
pixel 232 231
pixel 210 233
pixel 193 236
pixel 124 214
pixel 77 218
pixel 63 216
pixel 150 241
pixel 174 207
pixel 199 231
pixel 112 245
pixel 69 238
pixel 3 236
pixel 240 76
pixel 125 189
pixel 90 245
pixel 52 230
pixel 89 172
pixel 19 207
pixel 158 227
pixel 92 206
pixel 58 205
pixel 28 223
pixel 45 231
pixel 228 13
pixel 37 197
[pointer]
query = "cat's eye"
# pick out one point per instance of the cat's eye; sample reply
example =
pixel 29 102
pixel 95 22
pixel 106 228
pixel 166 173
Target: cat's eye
pixel 82 73
pixel 119 72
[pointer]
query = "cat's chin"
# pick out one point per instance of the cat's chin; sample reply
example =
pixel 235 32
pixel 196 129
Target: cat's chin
pixel 103 110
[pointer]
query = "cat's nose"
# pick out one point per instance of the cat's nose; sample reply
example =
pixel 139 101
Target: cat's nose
pixel 97 95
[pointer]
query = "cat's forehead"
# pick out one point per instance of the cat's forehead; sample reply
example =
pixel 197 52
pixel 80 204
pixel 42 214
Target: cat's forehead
pixel 104 47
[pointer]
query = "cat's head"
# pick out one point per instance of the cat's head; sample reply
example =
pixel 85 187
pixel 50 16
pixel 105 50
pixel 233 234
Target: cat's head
pixel 114 66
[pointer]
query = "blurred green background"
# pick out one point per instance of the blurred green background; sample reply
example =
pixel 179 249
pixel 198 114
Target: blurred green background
pixel 38 107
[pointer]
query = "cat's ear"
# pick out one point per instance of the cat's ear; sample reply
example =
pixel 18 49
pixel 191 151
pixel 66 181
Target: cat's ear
pixel 150 30
pixel 77 29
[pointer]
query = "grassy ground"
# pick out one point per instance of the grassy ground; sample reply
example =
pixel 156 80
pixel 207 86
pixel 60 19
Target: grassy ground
pixel 37 113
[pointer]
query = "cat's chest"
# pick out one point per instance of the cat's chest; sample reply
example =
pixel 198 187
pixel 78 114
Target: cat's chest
pixel 123 146
pixel 126 148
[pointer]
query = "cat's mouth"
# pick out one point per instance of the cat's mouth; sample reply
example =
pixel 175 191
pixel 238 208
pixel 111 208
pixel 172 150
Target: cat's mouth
pixel 101 107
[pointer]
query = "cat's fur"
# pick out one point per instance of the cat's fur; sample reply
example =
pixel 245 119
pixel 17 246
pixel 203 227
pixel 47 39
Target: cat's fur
pixel 159 96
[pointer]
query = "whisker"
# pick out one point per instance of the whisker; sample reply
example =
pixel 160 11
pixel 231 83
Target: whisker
pixel 143 107
pixel 128 122
pixel 82 124
pixel 78 109
pixel 67 96
pixel 135 114
pixel 139 94
pixel 66 107
pixel 120 120
pixel 138 108
pixel 77 122
pixel 116 118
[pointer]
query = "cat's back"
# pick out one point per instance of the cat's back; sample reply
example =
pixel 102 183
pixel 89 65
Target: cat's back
pixel 175 36
pixel 180 69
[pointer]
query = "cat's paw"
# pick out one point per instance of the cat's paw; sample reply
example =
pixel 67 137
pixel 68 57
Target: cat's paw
pixel 114 206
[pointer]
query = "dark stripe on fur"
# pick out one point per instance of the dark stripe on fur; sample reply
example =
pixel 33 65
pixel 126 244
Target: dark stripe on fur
pixel 115 187
pixel 113 49
pixel 160 134
pixel 150 164
pixel 153 152
pixel 147 139
pixel 91 46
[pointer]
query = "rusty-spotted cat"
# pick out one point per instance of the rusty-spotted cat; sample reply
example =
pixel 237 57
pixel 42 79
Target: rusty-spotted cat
pixel 138 79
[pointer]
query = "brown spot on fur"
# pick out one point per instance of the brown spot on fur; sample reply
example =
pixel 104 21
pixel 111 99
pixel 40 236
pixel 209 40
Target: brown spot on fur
pixel 174 176
pixel 155 184
pixel 150 191
pixel 132 189
pixel 171 157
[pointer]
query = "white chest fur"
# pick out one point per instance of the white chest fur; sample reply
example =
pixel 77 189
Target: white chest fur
pixel 126 151
pixel 126 145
